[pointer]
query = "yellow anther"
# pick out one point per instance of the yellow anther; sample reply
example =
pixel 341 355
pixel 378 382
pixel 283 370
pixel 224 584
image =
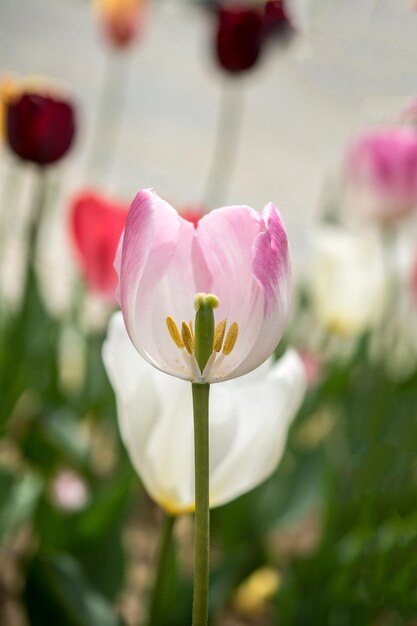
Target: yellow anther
pixel 174 332
pixel 219 336
pixel 187 337
pixel 190 324
pixel 230 340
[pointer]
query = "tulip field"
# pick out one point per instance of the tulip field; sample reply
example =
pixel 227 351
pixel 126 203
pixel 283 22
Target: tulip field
pixel 208 313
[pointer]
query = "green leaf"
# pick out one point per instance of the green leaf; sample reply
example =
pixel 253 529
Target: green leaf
pixel 57 592
pixel 20 496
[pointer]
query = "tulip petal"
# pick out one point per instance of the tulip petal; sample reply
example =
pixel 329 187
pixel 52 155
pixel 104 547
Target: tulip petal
pixel 263 412
pixel 137 398
pixel 251 276
pixel 248 423
pixel 156 278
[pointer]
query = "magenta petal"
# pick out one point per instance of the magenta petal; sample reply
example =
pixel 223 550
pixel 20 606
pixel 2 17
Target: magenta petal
pixel 271 264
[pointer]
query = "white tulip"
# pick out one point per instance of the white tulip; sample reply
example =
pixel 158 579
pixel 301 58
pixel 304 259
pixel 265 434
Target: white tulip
pixel 348 282
pixel 249 420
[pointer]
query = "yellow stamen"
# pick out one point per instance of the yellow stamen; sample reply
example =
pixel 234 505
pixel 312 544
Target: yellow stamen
pixel 230 340
pixel 174 332
pixel 190 324
pixel 219 336
pixel 187 338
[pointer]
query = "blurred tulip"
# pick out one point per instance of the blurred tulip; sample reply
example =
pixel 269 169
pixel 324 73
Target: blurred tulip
pixel 39 127
pixel 8 90
pixel 381 174
pixel 96 225
pixel 122 20
pixel 239 36
pixel 238 255
pixel 348 282
pixel 276 18
pixel 249 421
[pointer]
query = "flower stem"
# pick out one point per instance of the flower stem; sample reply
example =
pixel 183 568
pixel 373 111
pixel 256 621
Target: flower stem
pixel 202 513
pixel 164 546
pixel 229 124
pixel 36 218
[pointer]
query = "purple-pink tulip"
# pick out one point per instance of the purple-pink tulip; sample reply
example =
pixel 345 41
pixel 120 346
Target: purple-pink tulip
pixel 381 173
pixel 163 261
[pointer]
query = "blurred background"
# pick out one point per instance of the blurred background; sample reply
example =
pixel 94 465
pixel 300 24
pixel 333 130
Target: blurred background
pixel 310 104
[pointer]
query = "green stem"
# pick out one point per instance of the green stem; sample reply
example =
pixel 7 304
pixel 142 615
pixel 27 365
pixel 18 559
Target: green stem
pixel 36 218
pixel 202 513
pixel 164 546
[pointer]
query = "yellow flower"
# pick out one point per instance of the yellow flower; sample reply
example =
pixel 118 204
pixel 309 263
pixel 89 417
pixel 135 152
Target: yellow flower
pixel 252 596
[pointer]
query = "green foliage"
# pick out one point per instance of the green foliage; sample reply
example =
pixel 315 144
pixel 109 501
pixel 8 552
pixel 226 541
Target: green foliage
pixel 365 566
pixel 19 498
pixel 57 592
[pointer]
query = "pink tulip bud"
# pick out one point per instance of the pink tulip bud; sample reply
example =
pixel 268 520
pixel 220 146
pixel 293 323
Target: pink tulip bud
pixel 381 174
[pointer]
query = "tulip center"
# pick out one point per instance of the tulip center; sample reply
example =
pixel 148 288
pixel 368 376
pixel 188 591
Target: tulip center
pixel 204 345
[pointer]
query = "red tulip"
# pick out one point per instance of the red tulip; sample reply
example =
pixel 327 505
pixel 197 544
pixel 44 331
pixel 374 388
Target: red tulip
pixel 239 37
pixel 39 128
pixel 96 225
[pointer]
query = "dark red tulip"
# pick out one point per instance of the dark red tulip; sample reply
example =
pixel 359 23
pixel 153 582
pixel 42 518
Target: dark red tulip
pixel 276 19
pixel 39 128
pixel 96 226
pixel 239 37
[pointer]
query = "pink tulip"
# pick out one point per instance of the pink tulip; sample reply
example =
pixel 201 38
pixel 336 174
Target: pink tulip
pixel 381 173
pixel 238 255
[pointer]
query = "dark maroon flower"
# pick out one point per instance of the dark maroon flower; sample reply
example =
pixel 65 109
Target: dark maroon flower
pixel 276 19
pixel 239 37
pixel 39 128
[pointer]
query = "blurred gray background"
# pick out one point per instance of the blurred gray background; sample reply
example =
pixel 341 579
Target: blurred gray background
pixel 353 67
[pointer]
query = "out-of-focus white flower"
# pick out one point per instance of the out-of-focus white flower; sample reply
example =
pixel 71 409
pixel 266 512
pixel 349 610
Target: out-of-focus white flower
pixel 69 491
pixel 348 282
pixel 249 421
